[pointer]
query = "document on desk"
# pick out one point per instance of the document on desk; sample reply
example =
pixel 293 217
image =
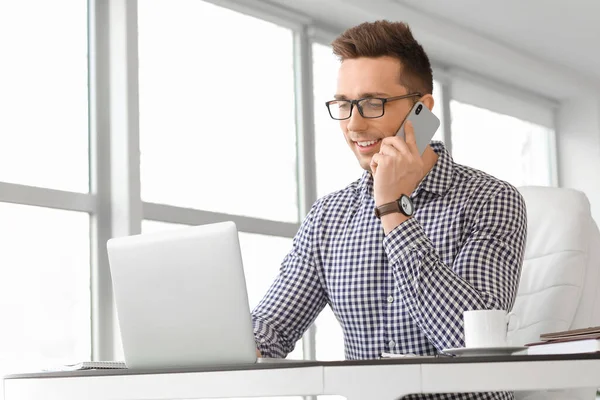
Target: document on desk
pixel 88 365
pixel 394 355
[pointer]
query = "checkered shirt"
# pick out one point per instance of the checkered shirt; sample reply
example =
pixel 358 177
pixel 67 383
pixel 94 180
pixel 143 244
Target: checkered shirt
pixel 405 292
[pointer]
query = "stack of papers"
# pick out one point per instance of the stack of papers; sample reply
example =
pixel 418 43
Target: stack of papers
pixel 409 355
pixel 89 365
pixel 567 342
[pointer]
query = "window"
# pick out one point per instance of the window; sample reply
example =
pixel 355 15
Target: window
pixel 45 298
pixel 508 148
pixel 502 131
pixel 43 100
pixel 44 287
pixel 262 256
pixel 217 128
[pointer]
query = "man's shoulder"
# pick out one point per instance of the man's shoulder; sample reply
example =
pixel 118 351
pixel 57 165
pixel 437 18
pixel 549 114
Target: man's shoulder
pixel 343 196
pixel 334 205
pixel 481 186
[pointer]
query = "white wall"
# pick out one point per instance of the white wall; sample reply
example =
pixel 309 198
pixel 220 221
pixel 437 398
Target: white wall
pixel 578 147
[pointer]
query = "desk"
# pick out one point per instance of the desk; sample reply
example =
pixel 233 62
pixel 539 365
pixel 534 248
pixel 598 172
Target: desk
pixel 355 380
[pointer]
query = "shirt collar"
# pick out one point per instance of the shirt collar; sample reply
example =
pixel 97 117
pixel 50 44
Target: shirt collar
pixel 365 184
pixel 437 181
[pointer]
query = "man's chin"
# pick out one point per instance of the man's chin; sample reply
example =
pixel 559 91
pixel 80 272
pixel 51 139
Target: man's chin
pixel 364 160
pixel 366 165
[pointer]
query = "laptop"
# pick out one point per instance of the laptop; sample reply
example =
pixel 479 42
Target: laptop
pixel 181 298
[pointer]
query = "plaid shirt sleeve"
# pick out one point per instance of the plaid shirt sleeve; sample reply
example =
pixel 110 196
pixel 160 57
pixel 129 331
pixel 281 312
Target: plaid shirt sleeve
pixel 484 275
pixel 293 301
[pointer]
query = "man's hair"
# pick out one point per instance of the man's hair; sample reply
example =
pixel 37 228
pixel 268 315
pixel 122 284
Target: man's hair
pixel 393 39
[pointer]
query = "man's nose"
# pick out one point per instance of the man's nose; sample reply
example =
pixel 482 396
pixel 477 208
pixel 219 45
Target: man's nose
pixel 356 122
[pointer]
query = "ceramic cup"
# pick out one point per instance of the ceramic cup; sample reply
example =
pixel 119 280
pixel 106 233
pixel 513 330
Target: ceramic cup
pixel 487 328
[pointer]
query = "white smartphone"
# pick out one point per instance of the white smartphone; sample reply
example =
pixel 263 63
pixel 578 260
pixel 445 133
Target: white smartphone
pixel 425 124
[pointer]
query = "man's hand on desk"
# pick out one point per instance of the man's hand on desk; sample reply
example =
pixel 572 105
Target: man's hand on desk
pixel 258 354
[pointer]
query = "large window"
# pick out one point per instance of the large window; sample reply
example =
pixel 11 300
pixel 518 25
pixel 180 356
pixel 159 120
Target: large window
pixel 509 148
pixel 45 258
pixel 217 113
pixel 501 131
pixel 43 94
pixel 44 287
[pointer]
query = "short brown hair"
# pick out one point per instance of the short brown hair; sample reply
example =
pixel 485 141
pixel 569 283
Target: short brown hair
pixel 394 39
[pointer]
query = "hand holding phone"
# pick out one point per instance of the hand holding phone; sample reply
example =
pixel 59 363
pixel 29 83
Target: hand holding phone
pixel 395 175
pixel 425 124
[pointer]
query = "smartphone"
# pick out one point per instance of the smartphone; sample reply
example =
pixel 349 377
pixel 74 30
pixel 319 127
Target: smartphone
pixel 425 124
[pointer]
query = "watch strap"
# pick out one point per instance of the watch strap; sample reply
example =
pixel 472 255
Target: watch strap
pixel 387 208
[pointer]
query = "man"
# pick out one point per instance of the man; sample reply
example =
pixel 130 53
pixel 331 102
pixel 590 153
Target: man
pixel 399 282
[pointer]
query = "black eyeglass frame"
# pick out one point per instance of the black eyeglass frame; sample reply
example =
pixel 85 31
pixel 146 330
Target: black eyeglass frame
pixel 356 102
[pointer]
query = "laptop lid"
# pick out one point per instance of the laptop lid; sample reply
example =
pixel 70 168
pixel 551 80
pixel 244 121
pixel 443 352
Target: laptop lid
pixel 181 298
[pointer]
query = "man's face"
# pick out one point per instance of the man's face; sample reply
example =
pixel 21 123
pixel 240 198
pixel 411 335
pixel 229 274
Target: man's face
pixel 371 77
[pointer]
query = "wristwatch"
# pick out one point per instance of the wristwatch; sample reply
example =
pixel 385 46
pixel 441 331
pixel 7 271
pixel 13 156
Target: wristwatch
pixel 403 205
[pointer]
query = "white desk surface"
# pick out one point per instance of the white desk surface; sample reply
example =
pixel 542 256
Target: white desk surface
pixel 364 379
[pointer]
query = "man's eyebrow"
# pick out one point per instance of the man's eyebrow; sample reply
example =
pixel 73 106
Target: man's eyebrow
pixel 362 95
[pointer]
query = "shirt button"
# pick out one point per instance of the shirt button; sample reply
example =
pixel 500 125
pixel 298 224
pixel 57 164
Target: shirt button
pixel 390 299
pixel 392 344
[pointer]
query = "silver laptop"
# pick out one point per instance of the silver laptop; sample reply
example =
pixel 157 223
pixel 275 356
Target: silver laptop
pixel 181 298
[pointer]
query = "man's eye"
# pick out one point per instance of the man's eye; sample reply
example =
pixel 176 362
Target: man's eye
pixel 344 105
pixel 373 103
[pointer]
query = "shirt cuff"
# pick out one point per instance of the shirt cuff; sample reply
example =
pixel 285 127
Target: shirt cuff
pixel 266 340
pixel 407 240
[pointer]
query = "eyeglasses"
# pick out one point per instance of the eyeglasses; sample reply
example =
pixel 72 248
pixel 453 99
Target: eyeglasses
pixel 371 107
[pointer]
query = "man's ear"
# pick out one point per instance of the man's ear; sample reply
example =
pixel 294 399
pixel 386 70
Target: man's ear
pixel 428 101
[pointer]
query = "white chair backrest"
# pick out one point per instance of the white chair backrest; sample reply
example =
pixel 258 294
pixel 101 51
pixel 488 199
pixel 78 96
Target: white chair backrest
pixel 559 286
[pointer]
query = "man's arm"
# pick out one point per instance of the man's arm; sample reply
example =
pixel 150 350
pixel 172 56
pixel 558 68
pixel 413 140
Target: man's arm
pixel 293 301
pixel 484 275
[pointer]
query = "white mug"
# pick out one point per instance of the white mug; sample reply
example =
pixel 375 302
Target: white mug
pixel 487 328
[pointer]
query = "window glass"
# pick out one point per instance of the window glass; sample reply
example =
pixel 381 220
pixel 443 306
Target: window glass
pixel 44 94
pixel 44 287
pixel 506 147
pixel 217 127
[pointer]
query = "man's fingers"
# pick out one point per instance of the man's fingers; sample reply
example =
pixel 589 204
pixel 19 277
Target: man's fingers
pixel 397 143
pixel 387 148
pixel 410 138
pixel 375 161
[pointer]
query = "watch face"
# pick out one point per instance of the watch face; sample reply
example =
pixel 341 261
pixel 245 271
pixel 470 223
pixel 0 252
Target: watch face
pixel 407 205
